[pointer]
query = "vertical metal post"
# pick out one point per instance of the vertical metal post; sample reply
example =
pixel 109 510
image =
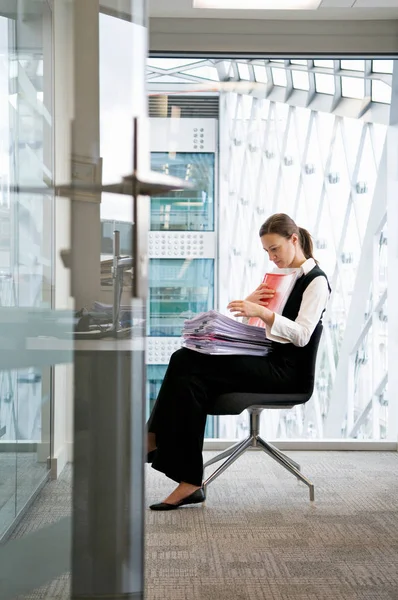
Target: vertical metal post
pixel 116 279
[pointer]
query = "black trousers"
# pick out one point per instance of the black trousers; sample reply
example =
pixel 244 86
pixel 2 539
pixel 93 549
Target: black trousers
pixel 191 384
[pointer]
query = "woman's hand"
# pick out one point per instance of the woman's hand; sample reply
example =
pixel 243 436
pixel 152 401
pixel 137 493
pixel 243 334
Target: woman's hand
pixel 262 295
pixel 245 308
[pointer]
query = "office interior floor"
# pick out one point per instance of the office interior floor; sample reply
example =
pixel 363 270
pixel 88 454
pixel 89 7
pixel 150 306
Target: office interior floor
pixel 20 476
pixel 259 537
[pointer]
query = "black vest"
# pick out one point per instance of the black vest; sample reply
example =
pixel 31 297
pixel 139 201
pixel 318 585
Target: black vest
pixel 289 356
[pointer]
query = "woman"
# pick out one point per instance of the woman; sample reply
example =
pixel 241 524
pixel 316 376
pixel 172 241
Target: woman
pixel 193 380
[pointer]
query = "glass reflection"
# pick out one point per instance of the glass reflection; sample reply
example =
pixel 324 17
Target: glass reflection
pixel 126 231
pixel 178 290
pixel 191 210
pixel 26 239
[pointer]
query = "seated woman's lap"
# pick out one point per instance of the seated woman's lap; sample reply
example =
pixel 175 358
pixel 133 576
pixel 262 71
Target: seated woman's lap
pixel 222 374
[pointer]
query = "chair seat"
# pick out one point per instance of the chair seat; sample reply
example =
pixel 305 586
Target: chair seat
pixel 235 403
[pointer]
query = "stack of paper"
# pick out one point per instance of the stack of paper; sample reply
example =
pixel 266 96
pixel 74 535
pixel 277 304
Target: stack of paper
pixel 282 283
pixel 214 333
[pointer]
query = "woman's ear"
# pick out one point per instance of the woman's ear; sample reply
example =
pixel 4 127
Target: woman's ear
pixel 294 238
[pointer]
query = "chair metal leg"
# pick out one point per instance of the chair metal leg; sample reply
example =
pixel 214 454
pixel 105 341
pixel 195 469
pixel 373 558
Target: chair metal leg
pixel 231 459
pixel 281 454
pixel 282 460
pixel 224 454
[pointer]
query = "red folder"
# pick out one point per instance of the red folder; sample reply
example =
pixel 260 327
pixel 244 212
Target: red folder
pixel 283 284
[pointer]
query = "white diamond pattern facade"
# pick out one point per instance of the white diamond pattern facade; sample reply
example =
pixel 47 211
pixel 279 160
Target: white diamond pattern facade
pixel 329 173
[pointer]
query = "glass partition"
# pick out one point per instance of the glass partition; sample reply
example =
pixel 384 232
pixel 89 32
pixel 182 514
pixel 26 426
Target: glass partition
pixel 8 464
pixel 26 238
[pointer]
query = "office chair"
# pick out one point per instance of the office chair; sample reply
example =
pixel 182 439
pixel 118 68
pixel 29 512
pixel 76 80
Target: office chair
pixel 235 403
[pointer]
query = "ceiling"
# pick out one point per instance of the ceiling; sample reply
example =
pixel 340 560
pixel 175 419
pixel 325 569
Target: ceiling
pixel 329 9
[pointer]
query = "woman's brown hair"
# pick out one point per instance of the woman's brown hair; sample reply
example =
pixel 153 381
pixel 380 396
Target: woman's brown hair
pixel 284 225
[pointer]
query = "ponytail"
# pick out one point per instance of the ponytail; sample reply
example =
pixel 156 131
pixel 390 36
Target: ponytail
pixel 306 243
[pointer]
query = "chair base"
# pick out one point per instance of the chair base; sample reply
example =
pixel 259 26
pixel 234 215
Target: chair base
pixel 255 441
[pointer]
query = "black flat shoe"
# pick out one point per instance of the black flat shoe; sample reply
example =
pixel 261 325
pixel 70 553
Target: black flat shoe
pixel 194 498
pixel 150 456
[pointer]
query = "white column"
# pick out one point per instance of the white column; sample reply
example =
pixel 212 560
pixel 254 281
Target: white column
pixel 77 141
pixel 85 167
pixel 44 445
pixel 62 119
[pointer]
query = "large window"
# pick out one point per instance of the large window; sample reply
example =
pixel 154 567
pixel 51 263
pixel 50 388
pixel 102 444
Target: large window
pixel 306 137
pixel 325 165
pixel 328 172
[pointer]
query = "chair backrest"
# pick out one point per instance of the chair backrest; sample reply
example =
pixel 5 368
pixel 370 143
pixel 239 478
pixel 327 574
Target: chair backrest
pixel 311 354
pixel 235 403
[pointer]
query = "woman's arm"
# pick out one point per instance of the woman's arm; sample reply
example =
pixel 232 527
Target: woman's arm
pixel 299 332
pixel 261 295
pixel 283 330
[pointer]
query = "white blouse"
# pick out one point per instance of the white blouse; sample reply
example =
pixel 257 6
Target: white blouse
pixel 315 298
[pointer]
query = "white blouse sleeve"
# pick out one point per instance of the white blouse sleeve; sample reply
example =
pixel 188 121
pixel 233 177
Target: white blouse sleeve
pixel 299 332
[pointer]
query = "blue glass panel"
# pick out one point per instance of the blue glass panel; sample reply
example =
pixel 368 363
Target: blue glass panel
pixel 178 290
pixel 189 210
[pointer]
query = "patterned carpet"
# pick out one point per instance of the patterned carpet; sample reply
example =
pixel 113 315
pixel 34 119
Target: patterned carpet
pixel 259 538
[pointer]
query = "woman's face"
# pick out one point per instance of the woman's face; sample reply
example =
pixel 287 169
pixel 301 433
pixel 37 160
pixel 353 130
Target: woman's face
pixel 281 250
